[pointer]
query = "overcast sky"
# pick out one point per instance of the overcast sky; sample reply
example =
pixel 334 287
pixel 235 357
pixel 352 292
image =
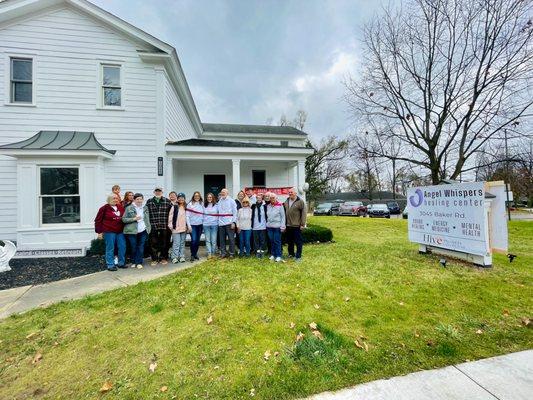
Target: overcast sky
pixel 248 60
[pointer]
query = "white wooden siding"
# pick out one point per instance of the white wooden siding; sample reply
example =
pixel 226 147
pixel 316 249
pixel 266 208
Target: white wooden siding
pixel 177 123
pixel 68 46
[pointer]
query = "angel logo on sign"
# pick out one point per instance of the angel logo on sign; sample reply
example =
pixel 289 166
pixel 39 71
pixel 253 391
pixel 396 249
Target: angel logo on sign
pixel 417 199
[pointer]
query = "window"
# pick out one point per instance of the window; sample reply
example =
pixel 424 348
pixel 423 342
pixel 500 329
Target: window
pixel 258 178
pixel 111 86
pixel 21 80
pixel 284 143
pixel 59 195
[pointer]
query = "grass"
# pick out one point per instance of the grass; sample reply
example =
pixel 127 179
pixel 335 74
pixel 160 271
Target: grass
pixel 381 310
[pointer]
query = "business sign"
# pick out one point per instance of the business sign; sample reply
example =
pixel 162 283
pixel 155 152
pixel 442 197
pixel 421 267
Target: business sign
pixel 450 216
pixel 75 252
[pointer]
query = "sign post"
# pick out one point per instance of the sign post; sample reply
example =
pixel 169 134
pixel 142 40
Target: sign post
pixel 451 219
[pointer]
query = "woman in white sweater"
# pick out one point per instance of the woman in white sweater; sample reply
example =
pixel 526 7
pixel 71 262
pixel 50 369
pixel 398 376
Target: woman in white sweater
pixel 244 227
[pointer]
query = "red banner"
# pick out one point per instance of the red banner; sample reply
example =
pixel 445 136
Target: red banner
pixel 279 190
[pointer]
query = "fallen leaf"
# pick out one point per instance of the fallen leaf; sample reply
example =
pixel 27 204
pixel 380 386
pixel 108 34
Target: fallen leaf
pixel 430 343
pixel 182 303
pixel 299 336
pixel 163 388
pixel 526 321
pixel 216 367
pixel 505 313
pixel 106 387
pixel 209 320
pixel 292 325
pixel 417 335
pixel 276 353
pixel 401 303
pixel 361 344
pixel 36 358
pixel 346 299
pixel 32 335
pixel 152 366
pixel 313 326
pixel 317 306
pixel 252 392
pixel 266 356
pixel 318 334
pixel 479 331
pixel 182 287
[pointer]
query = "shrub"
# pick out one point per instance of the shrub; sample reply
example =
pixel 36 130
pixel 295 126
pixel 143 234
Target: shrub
pixel 317 233
pixel 313 234
pixel 97 247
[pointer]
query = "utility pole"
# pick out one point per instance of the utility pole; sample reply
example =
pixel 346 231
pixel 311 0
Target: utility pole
pixel 507 185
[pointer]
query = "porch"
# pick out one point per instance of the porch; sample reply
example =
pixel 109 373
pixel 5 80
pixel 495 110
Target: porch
pixel 209 166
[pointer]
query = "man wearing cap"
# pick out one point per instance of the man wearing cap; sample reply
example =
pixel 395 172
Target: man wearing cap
pixel 158 210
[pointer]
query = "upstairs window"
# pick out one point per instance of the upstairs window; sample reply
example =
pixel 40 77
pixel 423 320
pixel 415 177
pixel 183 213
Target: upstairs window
pixel 21 80
pixel 284 143
pixel 111 86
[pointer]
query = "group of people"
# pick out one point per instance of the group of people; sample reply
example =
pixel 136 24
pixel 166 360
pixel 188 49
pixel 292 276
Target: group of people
pixel 253 222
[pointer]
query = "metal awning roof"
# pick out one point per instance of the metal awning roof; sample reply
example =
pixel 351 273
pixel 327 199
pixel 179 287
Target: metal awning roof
pixel 59 140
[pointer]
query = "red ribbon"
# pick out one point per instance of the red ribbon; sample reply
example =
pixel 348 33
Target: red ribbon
pixel 213 215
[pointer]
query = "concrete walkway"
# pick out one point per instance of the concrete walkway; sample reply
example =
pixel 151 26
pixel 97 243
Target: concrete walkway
pixel 508 377
pixel 21 299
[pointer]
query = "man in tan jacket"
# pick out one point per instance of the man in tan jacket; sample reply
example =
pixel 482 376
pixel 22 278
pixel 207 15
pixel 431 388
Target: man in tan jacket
pixel 296 214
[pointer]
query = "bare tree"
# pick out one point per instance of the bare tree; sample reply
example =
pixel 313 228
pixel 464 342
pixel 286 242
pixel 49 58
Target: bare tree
pixel 445 77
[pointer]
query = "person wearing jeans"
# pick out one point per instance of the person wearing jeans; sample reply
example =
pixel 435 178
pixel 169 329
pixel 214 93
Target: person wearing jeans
pixel 227 209
pixel 195 219
pixel 136 228
pixel 177 223
pixel 108 224
pixel 259 217
pixel 210 223
pixel 244 227
pixel 275 226
pixel 296 213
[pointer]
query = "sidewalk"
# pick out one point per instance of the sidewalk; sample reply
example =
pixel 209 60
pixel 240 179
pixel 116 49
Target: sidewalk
pixel 21 299
pixel 508 377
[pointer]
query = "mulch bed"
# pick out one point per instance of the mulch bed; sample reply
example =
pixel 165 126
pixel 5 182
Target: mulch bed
pixel 34 271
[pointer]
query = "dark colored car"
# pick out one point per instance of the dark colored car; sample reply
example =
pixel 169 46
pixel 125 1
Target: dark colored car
pixel 352 208
pixel 379 211
pixel 394 207
pixel 323 209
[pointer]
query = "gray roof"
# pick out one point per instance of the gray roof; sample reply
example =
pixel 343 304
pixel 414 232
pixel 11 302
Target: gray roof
pixel 59 140
pixel 260 129
pixel 224 143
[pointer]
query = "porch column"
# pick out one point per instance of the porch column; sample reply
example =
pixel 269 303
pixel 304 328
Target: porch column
pixel 169 175
pixel 236 174
pixel 294 175
pixel 301 177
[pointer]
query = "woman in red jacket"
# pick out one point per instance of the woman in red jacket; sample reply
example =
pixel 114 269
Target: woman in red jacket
pixel 108 223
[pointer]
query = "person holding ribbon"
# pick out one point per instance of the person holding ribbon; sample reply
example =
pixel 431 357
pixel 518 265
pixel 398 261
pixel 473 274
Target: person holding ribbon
pixel 177 223
pixel 210 223
pixel 227 209
pixel 195 219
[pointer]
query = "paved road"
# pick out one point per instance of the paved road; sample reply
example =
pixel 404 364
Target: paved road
pixel 508 377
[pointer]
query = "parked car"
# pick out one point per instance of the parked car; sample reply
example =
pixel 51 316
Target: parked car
pixel 352 208
pixel 323 209
pixel 405 213
pixel 379 211
pixel 394 207
pixel 336 206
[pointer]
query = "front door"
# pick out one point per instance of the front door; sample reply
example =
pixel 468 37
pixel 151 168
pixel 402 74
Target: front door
pixel 214 184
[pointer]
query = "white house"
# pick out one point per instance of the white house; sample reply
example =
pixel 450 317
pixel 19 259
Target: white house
pixel 88 101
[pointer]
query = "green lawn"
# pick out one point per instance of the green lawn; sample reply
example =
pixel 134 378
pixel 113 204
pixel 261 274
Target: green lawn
pixel 406 312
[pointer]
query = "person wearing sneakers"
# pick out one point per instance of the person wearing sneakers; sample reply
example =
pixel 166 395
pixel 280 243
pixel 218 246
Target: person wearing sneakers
pixel 108 225
pixel 275 226
pixel 244 227
pixel 210 223
pixel 296 214
pixel 226 223
pixel 136 228
pixel 177 223
pixel 158 209
pixel 195 220
pixel 259 218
